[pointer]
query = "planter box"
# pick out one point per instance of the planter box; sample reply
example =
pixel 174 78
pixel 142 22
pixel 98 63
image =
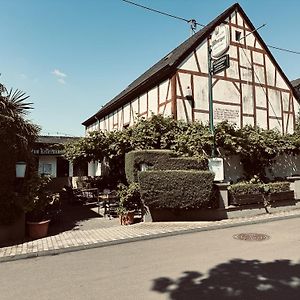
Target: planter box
pixel 246 199
pixel 258 198
pixel 282 196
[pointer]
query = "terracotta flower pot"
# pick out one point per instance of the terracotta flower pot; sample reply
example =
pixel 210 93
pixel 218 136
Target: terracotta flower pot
pixel 127 219
pixel 37 230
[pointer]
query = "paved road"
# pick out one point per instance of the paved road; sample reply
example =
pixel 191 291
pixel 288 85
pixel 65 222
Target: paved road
pixel 204 265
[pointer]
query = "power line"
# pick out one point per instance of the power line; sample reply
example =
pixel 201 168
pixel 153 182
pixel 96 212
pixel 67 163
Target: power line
pixel 256 29
pixel 283 49
pixel 192 22
pixel 162 13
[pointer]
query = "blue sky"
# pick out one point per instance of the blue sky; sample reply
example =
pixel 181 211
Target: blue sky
pixel 73 56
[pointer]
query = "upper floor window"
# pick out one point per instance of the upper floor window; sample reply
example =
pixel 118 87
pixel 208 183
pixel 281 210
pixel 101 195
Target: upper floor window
pixel 238 35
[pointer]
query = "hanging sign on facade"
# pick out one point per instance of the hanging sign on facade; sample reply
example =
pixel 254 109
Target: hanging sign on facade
pixel 220 41
pixel 220 64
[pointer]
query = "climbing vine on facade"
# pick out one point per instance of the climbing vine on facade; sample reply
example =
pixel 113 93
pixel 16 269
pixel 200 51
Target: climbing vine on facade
pixel 256 147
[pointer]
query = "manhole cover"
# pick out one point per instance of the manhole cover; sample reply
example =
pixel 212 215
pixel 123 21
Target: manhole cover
pixel 251 236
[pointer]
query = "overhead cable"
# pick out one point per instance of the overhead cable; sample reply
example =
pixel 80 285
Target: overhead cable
pixel 192 22
pixel 161 12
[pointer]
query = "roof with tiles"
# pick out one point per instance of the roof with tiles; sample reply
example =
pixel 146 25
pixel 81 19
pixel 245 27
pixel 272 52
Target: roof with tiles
pixel 50 139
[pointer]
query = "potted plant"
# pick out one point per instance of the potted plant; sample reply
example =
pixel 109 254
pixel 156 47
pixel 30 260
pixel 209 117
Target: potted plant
pixel 41 206
pixel 129 202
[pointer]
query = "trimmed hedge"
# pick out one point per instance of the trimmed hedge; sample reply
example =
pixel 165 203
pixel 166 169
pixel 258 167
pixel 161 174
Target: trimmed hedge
pixel 159 160
pixel 252 193
pixel 175 189
pixel 256 188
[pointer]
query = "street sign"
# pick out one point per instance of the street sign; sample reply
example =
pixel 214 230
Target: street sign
pixel 220 64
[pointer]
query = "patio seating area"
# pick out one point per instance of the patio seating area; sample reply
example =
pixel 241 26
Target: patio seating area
pixel 86 208
pixel 105 201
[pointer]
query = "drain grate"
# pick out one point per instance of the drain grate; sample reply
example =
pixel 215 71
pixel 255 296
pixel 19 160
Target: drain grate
pixel 257 237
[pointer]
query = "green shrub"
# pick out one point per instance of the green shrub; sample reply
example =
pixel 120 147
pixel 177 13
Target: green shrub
pixel 185 163
pixel 256 188
pixel 134 159
pixel 276 187
pixel 175 189
pixel 129 198
pixel 159 160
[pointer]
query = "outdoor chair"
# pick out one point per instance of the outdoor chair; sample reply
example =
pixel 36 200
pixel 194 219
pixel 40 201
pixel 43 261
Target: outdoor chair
pixel 110 202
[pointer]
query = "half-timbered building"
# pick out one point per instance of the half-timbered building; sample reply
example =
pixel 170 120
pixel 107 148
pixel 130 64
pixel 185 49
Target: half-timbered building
pixel 252 90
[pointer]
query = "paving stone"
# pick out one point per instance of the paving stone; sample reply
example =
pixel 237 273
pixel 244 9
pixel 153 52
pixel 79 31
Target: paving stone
pixel 72 239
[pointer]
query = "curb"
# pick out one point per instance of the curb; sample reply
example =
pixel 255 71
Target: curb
pixel 144 237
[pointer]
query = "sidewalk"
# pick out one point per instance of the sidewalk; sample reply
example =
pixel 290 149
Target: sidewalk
pixel 75 240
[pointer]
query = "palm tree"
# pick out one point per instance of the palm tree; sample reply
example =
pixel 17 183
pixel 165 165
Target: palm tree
pixel 17 135
pixel 13 123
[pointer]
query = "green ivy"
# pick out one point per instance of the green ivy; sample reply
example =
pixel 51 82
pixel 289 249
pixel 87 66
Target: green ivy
pixel 256 147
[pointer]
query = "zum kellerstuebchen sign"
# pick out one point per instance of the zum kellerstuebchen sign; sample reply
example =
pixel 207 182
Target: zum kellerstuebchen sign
pixel 47 151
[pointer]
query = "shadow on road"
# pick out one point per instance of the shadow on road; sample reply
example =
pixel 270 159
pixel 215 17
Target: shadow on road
pixel 236 279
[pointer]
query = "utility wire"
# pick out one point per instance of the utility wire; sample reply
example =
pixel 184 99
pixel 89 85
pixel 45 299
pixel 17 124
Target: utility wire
pixel 192 21
pixel 161 12
pixel 283 49
pixel 256 29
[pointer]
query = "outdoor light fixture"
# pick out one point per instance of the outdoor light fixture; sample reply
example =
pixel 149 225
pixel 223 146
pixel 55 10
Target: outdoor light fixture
pixel 188 93
pixel 20 169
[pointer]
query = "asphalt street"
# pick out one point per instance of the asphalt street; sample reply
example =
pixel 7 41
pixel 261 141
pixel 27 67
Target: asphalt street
pixel 205 265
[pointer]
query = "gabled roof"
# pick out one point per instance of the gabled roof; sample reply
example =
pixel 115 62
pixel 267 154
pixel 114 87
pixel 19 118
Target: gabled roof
pixel 161 69
pixel 167 66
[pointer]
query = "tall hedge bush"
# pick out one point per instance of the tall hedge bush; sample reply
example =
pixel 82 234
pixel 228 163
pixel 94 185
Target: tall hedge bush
pixel 176 189
pixel 160 160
